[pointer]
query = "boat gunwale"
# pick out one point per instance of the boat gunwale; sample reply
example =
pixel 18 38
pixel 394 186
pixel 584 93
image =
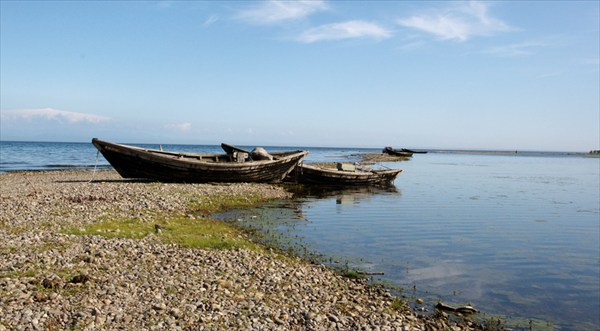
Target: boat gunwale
pixel 193 159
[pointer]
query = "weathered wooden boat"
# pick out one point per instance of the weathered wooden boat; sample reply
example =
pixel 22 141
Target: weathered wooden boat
pixel 342 176
pixel 412 151
pixel 397 152
pixel 137 162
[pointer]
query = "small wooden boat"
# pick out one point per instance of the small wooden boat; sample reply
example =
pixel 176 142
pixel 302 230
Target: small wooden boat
pixel 310 174
pixel 137 162
pixel 412 151
pixel 397 152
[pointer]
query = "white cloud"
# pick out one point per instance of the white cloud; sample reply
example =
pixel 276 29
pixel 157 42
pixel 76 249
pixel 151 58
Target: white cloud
pixel 514 50
pixel 182 127
pixel 457 23
pixel 345 30
pixel 411 46
pixel 275 11
pixel 52 114
pixel 209 21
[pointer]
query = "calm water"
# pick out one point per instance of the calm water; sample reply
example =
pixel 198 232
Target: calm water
pixel 516 235
pixel 511 235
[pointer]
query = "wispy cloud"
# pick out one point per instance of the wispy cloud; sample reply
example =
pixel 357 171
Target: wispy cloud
pixel 344 30
pixel 52 114
pixel 411 46
pixel 514 50
pixel 275 11
pixel 460 22
pixel 209 21
pixel 181 127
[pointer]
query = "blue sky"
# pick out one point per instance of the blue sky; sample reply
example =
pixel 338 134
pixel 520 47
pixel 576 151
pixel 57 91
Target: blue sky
pixel 514 75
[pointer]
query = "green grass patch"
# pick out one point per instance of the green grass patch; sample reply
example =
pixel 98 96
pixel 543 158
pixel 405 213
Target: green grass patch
pixel 208 204
pixel 19 273
pixel 352 274
pixel 202 233
pixel 119 228
pixel 399 304
pixel 177 228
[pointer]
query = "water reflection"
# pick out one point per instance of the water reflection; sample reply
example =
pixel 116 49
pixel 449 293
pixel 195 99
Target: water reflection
pixel 517 236
pixel 287 223
pixel 341 195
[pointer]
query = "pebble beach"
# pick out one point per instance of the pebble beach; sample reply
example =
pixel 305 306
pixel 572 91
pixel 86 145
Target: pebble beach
pixel 51 279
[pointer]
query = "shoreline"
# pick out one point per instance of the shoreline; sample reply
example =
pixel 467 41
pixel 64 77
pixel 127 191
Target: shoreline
pixel 50 279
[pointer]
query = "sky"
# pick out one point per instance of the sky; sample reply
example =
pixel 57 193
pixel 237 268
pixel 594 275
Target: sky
pixel 500 75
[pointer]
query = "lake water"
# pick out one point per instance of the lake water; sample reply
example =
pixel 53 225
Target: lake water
pixel 512 235
pixel 515 235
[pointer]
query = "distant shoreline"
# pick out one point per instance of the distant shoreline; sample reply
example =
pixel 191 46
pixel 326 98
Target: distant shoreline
pixel 516 152
pixel 430 150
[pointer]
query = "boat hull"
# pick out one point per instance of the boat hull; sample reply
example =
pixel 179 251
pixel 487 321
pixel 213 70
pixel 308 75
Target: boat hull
pixel 396 152
pixel 136 162
pixel 308 174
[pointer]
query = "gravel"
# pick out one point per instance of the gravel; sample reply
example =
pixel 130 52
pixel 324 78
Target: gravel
pixel 50 280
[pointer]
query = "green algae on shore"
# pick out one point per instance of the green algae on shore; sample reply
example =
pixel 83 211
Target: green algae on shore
pixel 192 232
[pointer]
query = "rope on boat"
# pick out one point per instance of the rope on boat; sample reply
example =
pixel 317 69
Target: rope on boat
pixel 95 167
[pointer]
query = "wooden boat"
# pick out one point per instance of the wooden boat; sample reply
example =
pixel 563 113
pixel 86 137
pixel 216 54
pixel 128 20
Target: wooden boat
pixel 137 162
pixel 310 174
pixel 397 152
pixel 413 151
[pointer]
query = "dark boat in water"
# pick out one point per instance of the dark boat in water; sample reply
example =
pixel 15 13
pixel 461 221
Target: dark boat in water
pixel 401 152
pixel 412 151
pixel 397 152
pixel 311 174
pixel 137 162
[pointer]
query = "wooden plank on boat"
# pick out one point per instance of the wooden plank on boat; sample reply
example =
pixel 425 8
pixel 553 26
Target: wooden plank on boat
pixel 346 167
pixel 230 149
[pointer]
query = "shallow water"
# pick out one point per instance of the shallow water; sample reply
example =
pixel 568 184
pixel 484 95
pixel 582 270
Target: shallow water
pixel 511 235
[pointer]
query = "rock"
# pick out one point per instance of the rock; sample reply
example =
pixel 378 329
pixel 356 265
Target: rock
pixel 160 306
pixel 52 282
pixel 80 279
pixel 175 312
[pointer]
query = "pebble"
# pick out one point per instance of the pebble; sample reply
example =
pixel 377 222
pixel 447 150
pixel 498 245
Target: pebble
pixel 94 282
